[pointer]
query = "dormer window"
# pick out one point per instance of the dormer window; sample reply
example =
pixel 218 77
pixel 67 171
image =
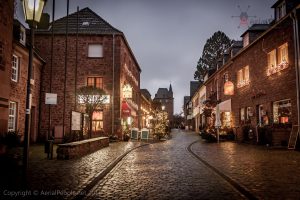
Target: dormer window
pixel 246 40
pixel 280 11
pixel 22 35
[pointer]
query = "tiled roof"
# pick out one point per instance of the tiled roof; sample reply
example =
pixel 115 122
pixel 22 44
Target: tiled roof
pixel 88 23
pixel 162 93
pixel 193 87
pixel 257 28
pixel 146 93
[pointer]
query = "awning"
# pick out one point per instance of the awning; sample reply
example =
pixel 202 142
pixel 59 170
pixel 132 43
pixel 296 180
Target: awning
pixel 225 106
pixel 126 111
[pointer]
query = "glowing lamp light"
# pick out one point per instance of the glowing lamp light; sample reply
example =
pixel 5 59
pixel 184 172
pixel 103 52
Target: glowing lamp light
pixel 33 10
pixel 228 88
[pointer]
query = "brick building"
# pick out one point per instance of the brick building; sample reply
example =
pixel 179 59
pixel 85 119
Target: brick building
pixel 146 104
pixel 98 55
pixel 6 39
pixel 165 97
pixel 263 78
pixel 14 58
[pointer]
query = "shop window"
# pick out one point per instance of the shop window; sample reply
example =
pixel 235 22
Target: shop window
pixel 95 81
pixel 97 123
pixel 249 113
pixel 282 111
pixel 15 68
pixel 95 51
pixel 283 53
pixel 242 114
pixel 12 116
pixel 243 77
pixel 226 119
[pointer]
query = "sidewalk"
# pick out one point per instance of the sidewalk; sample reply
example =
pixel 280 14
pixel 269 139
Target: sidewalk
pixel 68 177
pixel 268 173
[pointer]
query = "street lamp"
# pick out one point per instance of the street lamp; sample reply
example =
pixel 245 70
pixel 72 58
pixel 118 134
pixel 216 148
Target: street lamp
pixel 32 11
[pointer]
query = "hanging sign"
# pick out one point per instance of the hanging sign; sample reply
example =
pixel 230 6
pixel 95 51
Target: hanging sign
pixel 127 91
pixel 228 88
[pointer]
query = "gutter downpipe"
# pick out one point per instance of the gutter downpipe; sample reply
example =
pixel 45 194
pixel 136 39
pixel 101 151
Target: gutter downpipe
pixel 297 61
pixel 113 87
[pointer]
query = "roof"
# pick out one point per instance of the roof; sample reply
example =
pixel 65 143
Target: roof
pixel 277 3
pixel 88 23
pixel 237 43
pixel 162 93
pixel 186 99
pixel 193 87
pixel 146 93
pixel 257 28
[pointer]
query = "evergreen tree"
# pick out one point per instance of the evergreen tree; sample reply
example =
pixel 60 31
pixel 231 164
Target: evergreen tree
pixel 212 52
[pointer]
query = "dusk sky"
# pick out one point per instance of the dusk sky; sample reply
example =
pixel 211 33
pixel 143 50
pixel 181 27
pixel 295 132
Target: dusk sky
pixel 167 36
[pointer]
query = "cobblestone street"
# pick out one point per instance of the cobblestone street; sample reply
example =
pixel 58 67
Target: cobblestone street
pixel 164 171
pixel 168 171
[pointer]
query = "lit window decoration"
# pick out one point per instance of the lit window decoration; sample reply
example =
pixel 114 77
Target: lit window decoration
pixel 127 91
pixel 228 88
pixel 273 70
pixel 243 83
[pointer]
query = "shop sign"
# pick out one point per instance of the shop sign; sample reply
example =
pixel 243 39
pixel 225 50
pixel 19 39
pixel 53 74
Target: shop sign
pixel 127 91
pixel 228 88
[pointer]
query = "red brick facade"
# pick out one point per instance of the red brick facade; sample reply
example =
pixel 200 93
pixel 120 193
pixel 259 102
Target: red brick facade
pixel 116 52
pixel 6 39
pixel 262 89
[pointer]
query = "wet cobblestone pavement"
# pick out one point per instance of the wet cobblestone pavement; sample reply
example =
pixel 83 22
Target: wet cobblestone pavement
pixel 69 177
pixel 163 171
pixel 267 173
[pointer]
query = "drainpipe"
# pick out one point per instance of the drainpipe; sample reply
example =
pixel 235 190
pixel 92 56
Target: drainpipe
pixel 113 88
pixel 297 61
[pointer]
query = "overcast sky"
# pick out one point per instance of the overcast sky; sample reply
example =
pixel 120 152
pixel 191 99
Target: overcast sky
pixel 167 36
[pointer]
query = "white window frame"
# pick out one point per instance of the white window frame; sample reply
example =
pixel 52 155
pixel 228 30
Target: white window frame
pixel 95 51
pixel 15 68
pixel 12 116
pixel 283 55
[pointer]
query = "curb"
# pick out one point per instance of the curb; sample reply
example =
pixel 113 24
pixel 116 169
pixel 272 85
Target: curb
pixel 103 173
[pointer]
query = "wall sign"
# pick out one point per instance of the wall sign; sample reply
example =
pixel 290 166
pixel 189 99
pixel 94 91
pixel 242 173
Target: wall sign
pixel 127 91
pixel 76 121
pixel 51 99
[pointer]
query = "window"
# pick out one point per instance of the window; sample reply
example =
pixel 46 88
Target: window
pixel 242 114
pixel 15 68
pixel 22 35
pixel 95 81
pixel 12 116
pixel 272 59
pixel 249 113
pixel 280 11
pixel 225 77
pixel 243 77
pixel 282 111
pixel 95 51
pixel 283 53
pixel 97 123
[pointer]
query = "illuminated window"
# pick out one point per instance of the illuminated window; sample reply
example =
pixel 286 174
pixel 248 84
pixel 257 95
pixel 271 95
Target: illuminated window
pixel 272 59
pixel 248 113
pixel 95 81
pixel 97 121
pixel 273 67
pixel 243 77
pixel 95 51
pixel 12 116
pixel 282 111
pixel 242 114
pixel 15 68
pixel 283 53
